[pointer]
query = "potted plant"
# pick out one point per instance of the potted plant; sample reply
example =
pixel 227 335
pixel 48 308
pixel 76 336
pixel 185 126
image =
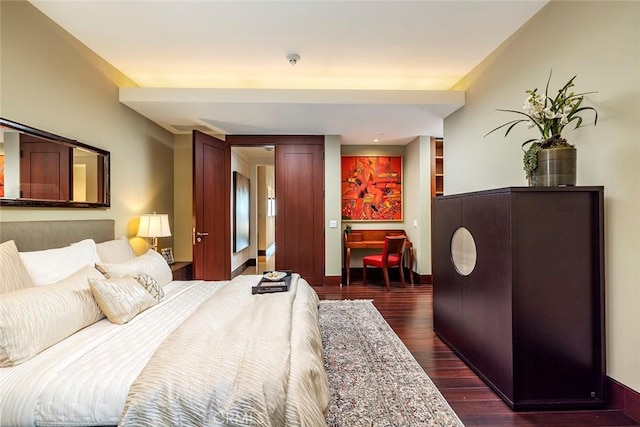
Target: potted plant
pixel 550 160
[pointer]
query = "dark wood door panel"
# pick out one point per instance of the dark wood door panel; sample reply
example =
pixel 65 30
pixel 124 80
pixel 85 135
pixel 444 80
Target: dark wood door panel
pixel 300 211
pixel 447 307
pixel 45 171
pixel 487 314
pixel 211 200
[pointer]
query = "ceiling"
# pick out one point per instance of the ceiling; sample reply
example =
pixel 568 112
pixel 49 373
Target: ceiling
pixel 368 70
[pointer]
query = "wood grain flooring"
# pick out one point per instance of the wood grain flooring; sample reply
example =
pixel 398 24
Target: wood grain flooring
pixel 409 312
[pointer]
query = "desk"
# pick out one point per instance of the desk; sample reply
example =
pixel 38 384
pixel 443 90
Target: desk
pixel 372 239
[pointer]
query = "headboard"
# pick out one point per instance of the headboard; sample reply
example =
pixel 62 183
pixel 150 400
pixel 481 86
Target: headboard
pixel 38 235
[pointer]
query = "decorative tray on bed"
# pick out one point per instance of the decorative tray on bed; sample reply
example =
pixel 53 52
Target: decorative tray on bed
pixel 274 276
pixel 273 281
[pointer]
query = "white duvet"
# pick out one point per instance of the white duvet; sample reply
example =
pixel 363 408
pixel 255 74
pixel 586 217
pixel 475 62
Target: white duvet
pixel 240 359
pixel 85 379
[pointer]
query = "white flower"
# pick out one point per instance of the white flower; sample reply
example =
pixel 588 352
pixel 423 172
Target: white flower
pixel 549 114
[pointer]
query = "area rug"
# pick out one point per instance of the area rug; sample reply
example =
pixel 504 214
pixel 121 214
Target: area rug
pixel 374 379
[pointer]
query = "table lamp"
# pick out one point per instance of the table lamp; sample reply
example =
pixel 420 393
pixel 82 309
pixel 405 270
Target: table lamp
pixel 154 225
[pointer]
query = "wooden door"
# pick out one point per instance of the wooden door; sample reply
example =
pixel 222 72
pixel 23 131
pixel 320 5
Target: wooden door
pixel 300 211
pixel 45 170
pixel 211 208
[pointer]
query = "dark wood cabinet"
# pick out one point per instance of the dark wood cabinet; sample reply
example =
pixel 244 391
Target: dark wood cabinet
pixel 182 270
pixel 529 318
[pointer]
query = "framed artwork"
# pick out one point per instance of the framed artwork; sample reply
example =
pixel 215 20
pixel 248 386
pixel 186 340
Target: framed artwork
pixel 240 211
pixel 371 188
pixel 167 254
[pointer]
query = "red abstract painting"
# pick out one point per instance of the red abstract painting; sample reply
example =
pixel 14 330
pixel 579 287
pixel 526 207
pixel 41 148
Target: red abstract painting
pixel 371 188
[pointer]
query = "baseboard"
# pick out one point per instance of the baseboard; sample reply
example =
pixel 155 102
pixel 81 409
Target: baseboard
pixel 624 399
pixel 332 280
pixel 251 262
pixel 423 279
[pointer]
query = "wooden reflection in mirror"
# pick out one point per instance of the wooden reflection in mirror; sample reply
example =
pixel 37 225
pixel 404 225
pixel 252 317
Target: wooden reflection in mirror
pixel 42 169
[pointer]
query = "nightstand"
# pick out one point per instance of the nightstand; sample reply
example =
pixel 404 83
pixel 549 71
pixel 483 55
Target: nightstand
pixel 182 270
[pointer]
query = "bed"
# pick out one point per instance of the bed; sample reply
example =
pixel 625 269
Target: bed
pixel 202 353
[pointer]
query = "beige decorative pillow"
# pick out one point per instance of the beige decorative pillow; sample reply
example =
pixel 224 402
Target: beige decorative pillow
pixel 14 274
pixel 36 318
pixel 151 263
pixel 121 298
pixel 150 284
pixel 118 250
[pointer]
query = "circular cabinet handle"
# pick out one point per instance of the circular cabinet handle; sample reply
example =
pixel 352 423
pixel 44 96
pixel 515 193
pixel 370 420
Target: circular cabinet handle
pixel 463 251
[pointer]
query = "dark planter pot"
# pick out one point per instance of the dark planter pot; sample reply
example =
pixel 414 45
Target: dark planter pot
pixel 556 167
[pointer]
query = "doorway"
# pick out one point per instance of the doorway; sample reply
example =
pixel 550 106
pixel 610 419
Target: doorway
pixel 266 210
pixel 258 164
pixel 299 180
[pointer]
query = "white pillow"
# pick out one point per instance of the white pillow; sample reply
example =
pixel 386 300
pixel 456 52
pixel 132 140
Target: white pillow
pixel 121 298
pixel 151 263
pixel 118 250
pixel 14 275
pixel 36 318
pixel 50 265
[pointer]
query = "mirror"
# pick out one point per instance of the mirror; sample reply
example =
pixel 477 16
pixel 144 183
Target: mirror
pixel 38 168
pixel 463 251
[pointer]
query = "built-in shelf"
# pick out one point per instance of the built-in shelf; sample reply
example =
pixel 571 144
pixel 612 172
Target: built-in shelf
pixel 437 167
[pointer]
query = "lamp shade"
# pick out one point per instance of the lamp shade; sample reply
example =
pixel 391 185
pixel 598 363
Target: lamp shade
pixel 154 225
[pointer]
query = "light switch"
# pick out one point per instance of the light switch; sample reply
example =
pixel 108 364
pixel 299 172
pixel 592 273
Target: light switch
pixel 333 224
pixel 415 223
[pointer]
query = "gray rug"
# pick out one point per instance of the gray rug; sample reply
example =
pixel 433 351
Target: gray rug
pixel 374 379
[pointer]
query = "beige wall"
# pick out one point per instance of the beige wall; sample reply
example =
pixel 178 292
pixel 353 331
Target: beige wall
pixel 183 197
pixel 264 161
pixel 332 211
pixel 600 42
pixel 417 201
pixel 52 82
pixel 266 224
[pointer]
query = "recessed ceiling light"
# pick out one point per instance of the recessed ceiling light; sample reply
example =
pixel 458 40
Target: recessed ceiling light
pixel 376 140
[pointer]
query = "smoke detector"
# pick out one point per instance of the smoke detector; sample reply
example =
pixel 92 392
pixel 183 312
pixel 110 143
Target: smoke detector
pixel 293 58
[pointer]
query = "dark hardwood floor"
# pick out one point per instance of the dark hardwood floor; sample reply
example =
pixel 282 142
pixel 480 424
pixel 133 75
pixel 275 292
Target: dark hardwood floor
pixel 409 312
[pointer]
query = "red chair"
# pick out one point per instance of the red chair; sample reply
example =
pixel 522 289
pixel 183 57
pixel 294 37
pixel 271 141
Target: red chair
pixel 391 256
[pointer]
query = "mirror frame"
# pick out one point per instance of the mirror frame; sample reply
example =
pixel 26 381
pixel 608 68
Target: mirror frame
pixel 69 142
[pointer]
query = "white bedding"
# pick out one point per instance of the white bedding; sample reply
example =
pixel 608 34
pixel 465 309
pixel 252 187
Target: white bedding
pixel 84 380
pixel 250 360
